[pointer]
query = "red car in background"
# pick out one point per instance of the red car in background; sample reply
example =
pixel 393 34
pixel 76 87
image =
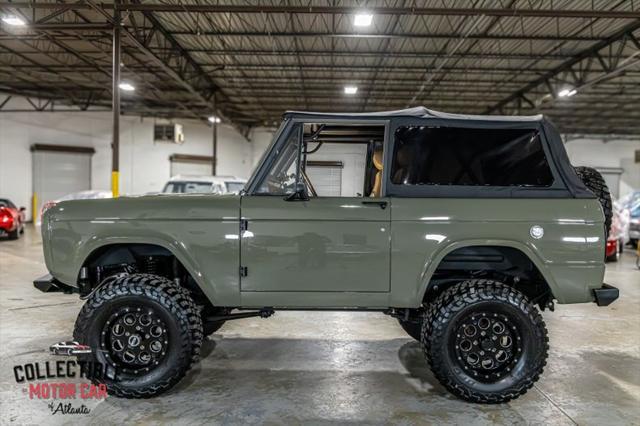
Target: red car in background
pixel 617 233
pixel 11 219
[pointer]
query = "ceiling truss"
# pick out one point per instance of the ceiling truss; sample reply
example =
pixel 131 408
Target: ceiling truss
pixel 249 63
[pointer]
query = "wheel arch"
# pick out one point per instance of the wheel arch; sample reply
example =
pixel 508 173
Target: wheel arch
pixel 507 247
pixel 104 252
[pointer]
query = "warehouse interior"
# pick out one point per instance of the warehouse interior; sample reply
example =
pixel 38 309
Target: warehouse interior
pixel 118 98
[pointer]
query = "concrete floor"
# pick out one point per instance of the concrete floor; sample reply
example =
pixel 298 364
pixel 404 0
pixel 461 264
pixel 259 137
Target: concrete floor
pixel 301 367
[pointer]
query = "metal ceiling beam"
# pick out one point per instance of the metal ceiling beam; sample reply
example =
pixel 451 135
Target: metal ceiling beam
pixel 395 35
pixel 344 53
pixel 339 10
pixel 75 27
pixel 572 65
pixel 80 27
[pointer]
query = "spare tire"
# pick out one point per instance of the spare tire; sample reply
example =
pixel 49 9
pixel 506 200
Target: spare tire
pixel 594 181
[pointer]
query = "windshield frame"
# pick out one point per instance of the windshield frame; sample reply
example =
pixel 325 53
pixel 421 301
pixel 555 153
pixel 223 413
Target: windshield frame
pixel 261 167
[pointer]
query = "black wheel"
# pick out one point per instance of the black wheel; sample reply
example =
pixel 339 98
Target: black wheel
pixel 485 342
pixel 211 327
pixel 594 181
pixel 145 329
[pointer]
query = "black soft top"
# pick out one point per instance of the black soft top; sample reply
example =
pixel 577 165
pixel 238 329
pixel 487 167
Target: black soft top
pixel 570 186
pixel 416 112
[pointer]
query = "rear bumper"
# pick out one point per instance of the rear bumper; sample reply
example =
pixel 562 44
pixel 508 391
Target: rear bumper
pixel 606 294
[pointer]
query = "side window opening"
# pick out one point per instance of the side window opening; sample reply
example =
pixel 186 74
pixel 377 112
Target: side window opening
pixel 337 160
pixel 468 156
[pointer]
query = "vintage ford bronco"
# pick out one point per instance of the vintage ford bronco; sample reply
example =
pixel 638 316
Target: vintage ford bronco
pixel 461 227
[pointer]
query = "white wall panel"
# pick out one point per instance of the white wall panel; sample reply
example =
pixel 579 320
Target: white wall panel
pixel 144 165
pixel 611 154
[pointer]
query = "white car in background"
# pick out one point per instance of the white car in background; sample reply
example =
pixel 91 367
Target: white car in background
pixel 90 194
pixel 630 204
pixel 204 184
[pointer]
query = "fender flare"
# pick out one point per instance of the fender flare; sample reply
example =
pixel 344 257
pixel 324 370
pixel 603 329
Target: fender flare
pixel 433 262
pixel 95 244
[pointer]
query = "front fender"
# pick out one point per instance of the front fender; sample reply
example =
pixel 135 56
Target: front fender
pixel 201 231
pixel 201 247
pixel 176 249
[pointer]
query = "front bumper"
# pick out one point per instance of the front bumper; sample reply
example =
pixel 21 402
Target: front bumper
pixel 48 284
pixel 606 294
pixel 5 231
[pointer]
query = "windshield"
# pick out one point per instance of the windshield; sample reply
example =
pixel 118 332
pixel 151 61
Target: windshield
pixel 275 138
pixel 281 178
pixel 188 188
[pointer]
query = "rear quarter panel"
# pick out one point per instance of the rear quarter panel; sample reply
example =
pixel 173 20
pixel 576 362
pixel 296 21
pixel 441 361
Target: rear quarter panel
pixel 570 255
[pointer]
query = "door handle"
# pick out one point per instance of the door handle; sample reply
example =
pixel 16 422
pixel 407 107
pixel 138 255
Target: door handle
pixel 381 204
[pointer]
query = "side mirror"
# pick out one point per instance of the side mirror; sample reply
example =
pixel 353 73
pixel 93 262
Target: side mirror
pixel 300 193
pixel 23 209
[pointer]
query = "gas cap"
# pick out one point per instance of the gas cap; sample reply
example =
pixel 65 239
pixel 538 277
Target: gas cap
pixel 536 231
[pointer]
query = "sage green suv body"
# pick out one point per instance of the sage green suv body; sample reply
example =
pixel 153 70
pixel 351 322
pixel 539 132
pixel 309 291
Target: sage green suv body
pixel 281 245
pixel 330 252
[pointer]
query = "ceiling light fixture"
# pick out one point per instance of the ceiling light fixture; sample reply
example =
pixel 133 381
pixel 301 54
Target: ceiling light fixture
pixel 13 20
pixel 566 93
pixel 350 90
pixel 127 87
pixel 214 119
pixel 363 20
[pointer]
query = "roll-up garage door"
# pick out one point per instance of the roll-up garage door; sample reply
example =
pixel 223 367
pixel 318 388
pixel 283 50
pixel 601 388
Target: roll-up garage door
pixel 194 165
pixel 326 177
pixel 58 171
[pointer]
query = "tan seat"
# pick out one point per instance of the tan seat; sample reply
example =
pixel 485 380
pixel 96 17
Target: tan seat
pixel 377 183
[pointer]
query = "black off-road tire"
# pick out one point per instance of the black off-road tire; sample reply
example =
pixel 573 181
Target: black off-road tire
pixel 169 302
pixel 445 315
pixel 14 235
pixel 594 181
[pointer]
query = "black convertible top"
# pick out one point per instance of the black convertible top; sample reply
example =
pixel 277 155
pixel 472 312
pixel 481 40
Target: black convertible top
pixel 416 112
pixel 571 185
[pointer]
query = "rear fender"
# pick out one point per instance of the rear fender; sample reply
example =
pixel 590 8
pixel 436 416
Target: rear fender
pixel 432 263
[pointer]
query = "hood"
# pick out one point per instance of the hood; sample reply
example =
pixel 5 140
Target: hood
pixel 148 207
